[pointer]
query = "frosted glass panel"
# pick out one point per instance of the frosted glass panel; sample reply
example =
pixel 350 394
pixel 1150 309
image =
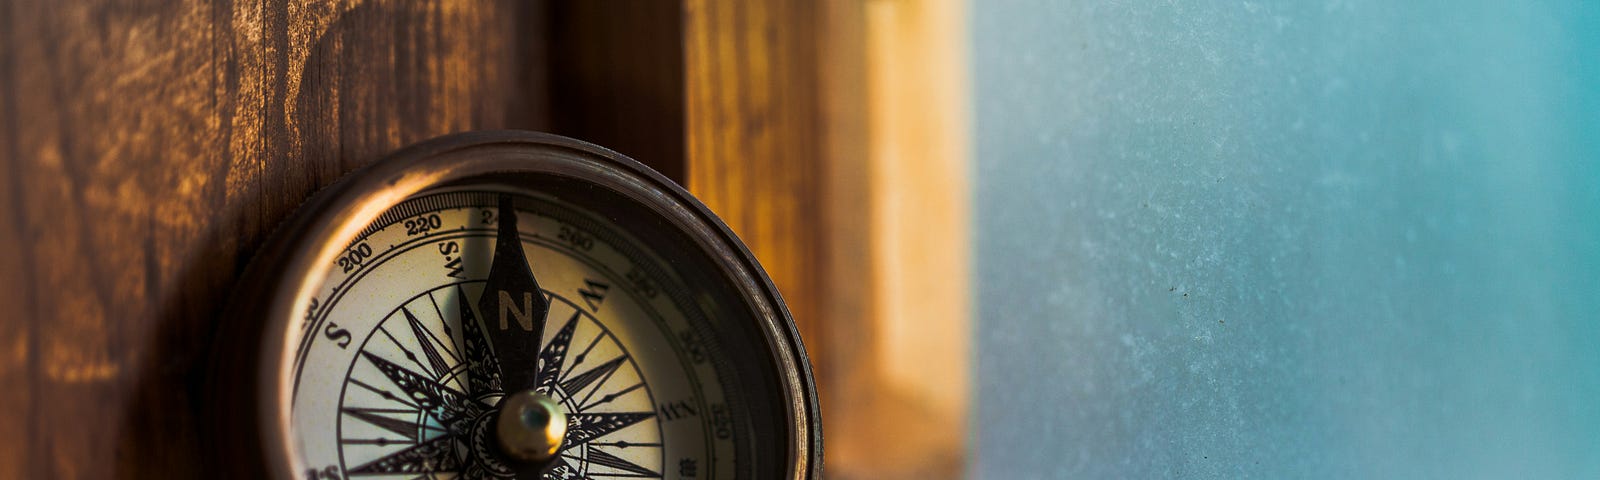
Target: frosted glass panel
pixel 1337 239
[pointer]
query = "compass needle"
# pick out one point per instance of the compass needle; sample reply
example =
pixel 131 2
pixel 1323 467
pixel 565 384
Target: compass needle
pixel 509 305
pixel 515 305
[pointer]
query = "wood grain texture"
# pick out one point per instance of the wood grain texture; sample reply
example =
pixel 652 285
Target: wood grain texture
pixel 831 135
pixel 753 130
pixel 150 145
pixel 847 375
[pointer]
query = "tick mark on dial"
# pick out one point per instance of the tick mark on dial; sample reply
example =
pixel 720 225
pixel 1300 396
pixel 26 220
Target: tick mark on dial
pixel 608 398
pixel 579 359
pixel 383 393
pixel 382 442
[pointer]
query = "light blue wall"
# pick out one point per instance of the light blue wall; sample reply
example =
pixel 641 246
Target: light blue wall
pixel 1265 239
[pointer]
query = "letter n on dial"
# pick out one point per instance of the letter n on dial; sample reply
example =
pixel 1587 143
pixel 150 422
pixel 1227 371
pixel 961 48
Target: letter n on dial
pixel 514 305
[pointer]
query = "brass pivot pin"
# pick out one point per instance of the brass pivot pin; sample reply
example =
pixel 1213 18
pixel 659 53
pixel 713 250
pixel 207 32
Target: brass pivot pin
pixel 531 426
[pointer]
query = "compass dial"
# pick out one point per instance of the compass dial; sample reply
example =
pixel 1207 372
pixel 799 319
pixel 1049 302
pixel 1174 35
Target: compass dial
pixel 419 384
pixel 520 306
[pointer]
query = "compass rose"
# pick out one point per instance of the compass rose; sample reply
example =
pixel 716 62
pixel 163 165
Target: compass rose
pixel 478 394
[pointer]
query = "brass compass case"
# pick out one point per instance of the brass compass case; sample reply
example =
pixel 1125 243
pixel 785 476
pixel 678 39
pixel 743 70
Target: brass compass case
pixel 723 322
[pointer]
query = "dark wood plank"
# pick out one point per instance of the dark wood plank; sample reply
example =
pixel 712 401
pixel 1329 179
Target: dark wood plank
pixel 753 131
pixel 150 145
pixel 617 78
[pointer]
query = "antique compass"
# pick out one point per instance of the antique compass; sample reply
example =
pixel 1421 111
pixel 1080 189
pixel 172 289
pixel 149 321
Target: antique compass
pixel 509 305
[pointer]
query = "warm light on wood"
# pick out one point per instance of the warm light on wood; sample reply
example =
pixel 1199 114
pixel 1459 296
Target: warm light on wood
pixel 901 411
pixel 833 141
pixel 752 136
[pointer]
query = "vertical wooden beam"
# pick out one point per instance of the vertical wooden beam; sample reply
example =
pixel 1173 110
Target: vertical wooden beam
pixel 847 384
pixel 752 114
pixel 911 423
pixel 617 78
pixel 831 137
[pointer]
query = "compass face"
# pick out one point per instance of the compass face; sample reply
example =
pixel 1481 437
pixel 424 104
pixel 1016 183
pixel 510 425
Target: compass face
pixel 401 378
pixel 524 306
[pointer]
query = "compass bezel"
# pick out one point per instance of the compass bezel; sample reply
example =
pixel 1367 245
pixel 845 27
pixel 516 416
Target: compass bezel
pixel 250 408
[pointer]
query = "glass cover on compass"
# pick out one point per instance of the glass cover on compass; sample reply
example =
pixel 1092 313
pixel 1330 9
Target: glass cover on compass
pixel 532 311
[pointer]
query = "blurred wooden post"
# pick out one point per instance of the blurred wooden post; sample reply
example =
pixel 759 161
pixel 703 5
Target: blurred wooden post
pixel 753 152
pixel 831 137
pixel 915 423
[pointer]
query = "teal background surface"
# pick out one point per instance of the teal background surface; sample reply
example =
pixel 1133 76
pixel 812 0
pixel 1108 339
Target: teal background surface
pixel 1253 239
